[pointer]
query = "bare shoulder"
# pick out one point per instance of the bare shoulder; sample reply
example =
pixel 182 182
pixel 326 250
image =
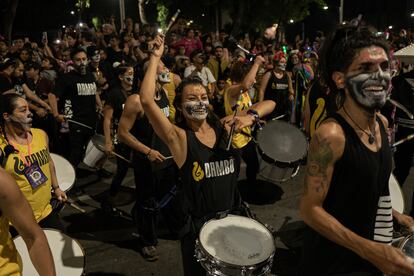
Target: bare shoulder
pixel 133 103
pixel 329 134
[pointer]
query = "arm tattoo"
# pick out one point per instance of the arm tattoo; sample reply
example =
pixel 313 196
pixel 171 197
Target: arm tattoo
pixel 319 158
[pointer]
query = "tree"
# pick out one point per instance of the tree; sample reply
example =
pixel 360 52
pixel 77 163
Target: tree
pixel 7 13
pixel 141 8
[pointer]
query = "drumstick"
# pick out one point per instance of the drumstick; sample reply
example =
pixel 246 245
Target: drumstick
pixel 403 108
pixel 121 157
pixel 236 107
pixel 409 137
pixel 172 20
pixel 78 123
pixel 71 203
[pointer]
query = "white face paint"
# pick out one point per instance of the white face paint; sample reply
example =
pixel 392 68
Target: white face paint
pixel 129 79
pixel 196 110
pixel 370 89
pixel 23 123
pixel 164 77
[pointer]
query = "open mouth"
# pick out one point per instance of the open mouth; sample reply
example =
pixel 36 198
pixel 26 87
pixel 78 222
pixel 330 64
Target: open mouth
pixel 374 88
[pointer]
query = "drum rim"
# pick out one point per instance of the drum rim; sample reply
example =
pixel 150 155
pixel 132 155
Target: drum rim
pixel 73 168
pixel 263 154
pixel 226 264
pixel 404 241
pixel 61 232
pixel 400 190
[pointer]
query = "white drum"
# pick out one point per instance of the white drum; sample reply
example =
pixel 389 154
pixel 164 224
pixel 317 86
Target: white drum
pixel 235 245
pixel 397 198
pixel 94 151
pixel 65 173
pixel 67 253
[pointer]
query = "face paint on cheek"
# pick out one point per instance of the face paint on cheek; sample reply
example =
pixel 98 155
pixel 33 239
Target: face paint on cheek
pixel 196 110
pixel 25 124
pixel 370 90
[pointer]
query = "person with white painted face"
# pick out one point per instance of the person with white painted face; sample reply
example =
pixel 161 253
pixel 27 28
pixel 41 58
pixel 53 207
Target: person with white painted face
pixel 277 86
pixel 155 173
pixel 112 111
pixel 346 201
pixel 77 90
pixel 198 144
pixel 24 154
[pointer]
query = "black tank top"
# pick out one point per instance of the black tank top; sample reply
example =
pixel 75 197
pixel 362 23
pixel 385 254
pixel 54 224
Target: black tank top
pixel 359 199
pixel 209 177
pixel 277 90
pixel 143 131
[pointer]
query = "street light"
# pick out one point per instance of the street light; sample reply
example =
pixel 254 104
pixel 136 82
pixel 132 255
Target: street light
pixel 291 21
pixel 412 14
pixel 72 12
pixel 390 27
pixel 325 7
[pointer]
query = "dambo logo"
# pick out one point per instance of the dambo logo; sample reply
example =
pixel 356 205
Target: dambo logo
pixel 198 173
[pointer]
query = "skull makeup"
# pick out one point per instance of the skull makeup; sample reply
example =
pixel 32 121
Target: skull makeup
pixel 196 110
pixel 370 90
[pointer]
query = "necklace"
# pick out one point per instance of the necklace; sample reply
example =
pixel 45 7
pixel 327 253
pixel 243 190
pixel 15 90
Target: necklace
pixel 371 136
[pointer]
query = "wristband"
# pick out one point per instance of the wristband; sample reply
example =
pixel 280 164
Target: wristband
pixel 254 114
pixel 148 153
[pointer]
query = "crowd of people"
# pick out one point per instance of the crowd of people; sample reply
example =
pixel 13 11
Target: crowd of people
pixel 182 109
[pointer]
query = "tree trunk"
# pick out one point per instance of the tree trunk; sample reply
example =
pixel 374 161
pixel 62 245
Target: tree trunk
pixel 141 8
pixel 7 13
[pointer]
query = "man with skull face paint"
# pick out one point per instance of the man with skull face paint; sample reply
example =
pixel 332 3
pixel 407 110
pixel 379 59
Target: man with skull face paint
pixel 197 143
pixel 346 200
pixel 79 87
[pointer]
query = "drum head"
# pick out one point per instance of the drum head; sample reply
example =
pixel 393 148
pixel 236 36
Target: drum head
pixel 67 254
pixel 237 240
pixel 65 173
pixel 282 142
pixel 397 199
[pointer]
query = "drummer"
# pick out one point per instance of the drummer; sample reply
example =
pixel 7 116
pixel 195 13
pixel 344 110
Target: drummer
pixel 346 200
pixel 198 145
pixel 14 208
pixel 24 154
pixel 243 76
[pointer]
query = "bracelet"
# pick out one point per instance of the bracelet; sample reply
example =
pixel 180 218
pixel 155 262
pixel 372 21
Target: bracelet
pixel 148 153
pixel 55 188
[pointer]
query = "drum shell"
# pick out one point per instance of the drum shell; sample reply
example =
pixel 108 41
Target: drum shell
pixel 94 151
pixel 281 149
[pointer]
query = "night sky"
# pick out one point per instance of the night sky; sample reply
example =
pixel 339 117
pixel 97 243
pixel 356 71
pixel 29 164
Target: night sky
pixel 33 17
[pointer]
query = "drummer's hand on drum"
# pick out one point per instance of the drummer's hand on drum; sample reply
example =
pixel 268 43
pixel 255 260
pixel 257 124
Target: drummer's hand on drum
pixel 61 195
pixel 388 259
pixel 404 220
pixel 109 149
pixel 155 156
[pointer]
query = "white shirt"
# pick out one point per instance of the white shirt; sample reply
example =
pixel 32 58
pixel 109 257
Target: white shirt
pixel 205 75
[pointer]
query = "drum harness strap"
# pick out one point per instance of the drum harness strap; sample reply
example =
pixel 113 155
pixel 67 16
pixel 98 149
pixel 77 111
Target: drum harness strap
pixel 163 202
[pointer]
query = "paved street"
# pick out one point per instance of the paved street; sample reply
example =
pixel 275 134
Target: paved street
pixel 110 242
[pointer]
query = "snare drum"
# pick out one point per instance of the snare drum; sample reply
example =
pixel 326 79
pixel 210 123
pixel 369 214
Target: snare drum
pixel 94 151
pixel 235 245
pixel 397 198
pixel 65 173
pixel 67 253
pixel 407 246
pixel 281 148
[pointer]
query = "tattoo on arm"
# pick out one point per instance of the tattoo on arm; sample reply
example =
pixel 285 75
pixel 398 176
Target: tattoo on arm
pixel 320 156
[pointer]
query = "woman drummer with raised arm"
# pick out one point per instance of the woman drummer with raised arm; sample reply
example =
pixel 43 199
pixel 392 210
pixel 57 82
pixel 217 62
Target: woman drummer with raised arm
pixel 198 145
pixel 24 154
